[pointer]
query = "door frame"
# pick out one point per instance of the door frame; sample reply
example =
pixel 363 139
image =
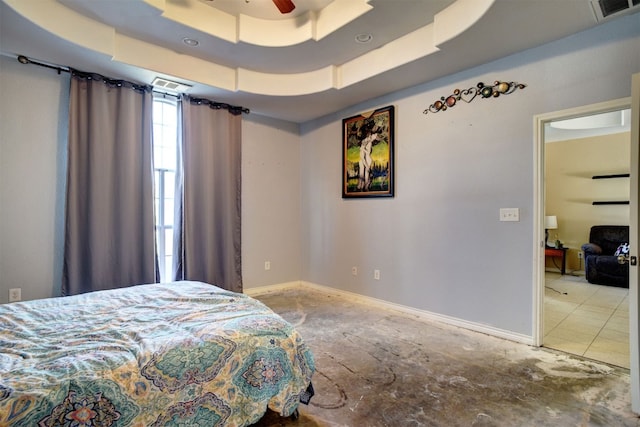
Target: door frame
pixel 634 235
pixel 539 122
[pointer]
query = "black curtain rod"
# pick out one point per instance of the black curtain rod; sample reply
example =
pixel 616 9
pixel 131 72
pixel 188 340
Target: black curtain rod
pixel 216 105
pixel 24 60
pixel 235 110
pixel 164 94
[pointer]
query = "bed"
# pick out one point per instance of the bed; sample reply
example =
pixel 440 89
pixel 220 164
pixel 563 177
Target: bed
pixel 182 353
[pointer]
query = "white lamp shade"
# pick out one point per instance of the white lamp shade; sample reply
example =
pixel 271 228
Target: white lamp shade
pixel 550 222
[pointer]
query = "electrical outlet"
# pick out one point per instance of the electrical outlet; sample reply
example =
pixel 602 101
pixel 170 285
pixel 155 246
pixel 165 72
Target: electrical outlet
pixel 15 294
pixel 267 265
pixel 354 271
pixel 376 274
pixel 580 255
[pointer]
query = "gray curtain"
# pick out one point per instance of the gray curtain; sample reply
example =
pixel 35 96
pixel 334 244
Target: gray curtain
pixel 207 236
pixel 109 230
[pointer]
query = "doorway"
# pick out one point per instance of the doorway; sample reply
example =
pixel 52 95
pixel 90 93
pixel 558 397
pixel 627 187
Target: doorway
pixel 574 315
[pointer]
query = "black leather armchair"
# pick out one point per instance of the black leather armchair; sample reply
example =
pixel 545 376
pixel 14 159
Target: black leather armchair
pixel 600 263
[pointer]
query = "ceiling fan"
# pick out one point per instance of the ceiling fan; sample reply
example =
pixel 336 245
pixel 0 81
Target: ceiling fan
pixel 284 6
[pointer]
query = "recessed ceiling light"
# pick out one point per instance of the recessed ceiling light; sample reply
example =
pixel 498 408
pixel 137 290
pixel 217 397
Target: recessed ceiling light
pixel 364 38
pixel 190 42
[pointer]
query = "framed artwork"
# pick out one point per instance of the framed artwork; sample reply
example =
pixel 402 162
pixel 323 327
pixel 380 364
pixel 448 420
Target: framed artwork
pixel 367 154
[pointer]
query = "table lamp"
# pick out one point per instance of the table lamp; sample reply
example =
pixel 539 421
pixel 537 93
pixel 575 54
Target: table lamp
pixel 550 223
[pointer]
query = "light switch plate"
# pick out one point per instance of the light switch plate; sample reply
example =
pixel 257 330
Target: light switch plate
pixel 509 214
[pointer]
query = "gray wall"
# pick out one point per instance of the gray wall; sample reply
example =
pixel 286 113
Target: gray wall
pixel 270 201
pixel 33 131
pixel 439 244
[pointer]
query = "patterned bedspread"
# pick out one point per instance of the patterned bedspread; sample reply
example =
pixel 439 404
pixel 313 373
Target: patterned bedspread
pixel 176 354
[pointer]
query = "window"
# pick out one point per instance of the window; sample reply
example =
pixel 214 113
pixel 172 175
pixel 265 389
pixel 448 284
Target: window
pixel 165 136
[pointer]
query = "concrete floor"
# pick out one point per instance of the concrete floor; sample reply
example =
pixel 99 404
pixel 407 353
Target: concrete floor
pixel 382 368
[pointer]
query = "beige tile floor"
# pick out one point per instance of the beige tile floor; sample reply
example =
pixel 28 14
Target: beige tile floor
pixel 587 320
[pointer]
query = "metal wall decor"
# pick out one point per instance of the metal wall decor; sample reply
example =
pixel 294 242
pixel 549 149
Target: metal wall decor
pixel 467 95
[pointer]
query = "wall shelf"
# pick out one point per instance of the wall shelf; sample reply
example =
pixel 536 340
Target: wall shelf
pixel 613 202
pixel 616 175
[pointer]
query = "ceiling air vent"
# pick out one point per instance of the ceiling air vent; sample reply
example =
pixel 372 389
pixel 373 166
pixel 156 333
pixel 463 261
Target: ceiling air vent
pixel 605 8
pixel 159 82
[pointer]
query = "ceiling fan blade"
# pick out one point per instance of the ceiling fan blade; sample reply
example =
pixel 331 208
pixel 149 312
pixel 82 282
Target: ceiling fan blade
pixel 284 6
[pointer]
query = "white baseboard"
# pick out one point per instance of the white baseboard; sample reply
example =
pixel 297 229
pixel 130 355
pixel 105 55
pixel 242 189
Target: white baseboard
pixel 261 290
pixel 398 308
